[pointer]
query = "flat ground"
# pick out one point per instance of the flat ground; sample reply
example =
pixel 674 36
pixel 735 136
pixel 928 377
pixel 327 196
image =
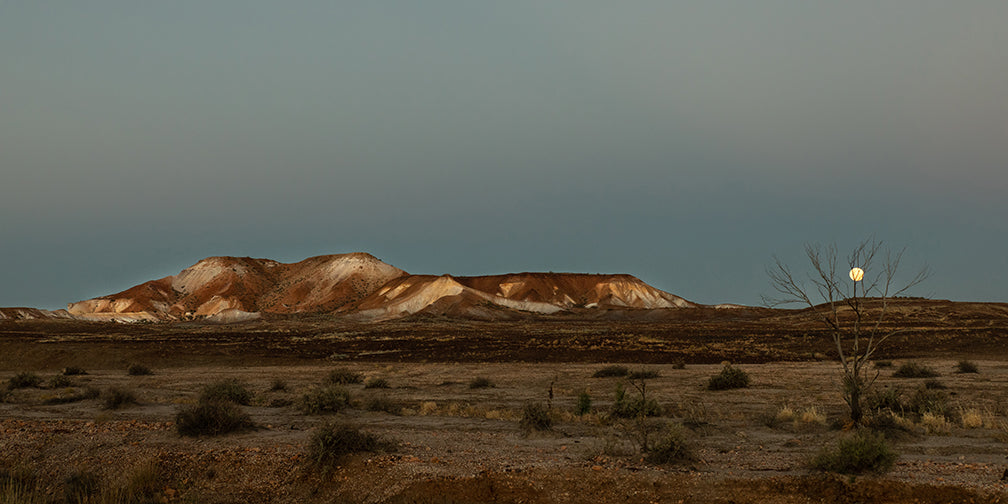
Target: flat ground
pixel 453 443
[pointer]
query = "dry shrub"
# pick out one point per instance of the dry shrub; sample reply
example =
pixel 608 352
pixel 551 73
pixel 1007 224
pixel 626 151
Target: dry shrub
pixel 211 419
pixel 864 452
pixel 671 447
pixel 227 391
pixel 965 366
pixel 935 423
pixel 330 443
pixel 138 370
pixel 786 414
pixel 326 399
pixel 376 383
pixel 812 415
pixel 481 382
pixel 611 371
pixel 914 370
pixel 428 408
pixel 535 417
pixel 729 378
pixel 24 380
pixel 343 377
pixel 971 418
pixel 115 398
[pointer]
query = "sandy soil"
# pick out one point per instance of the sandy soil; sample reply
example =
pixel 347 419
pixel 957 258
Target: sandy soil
pixel 457 444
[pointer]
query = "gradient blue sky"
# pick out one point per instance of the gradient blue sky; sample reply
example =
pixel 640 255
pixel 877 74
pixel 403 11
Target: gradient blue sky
pixel 682 142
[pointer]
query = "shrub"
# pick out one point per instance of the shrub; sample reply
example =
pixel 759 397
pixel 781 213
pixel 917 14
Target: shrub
pixel 883 399
pixel 226 391
pixel 643 374
pixel 138 370
pixel 79 485
pixel 933 384
pixel 535 416
pixel 861 453
pixel 330 443
pixel 611 371
pixel 343 377
pixel 73 371
pixel 670 448
pixel 373 383
pixel 965 366
pixel 381 403
pixel 60 381
pixel 624 407
pixel 115 398
pixel 729 378
pixel 327 399
pixel 932 401
pixel 481 382
pixel 211 419
pixel 584 403
pixel 278 385
pixel 883 364
pixel 24 380
pixel 914 370
pixel 679 364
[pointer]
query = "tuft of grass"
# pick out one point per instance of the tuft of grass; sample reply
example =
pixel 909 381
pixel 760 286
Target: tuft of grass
pixel 914 370
pixel 115 398
pixel 611 371
pixel 384 404
pixel 481 382
pixel 643 374
pixel 379 383
pixel 729 378
pixel 535 417
pixel 584 404
pixel 73 371
pixel 864 452
pixel 211 419
pixel 324 400
pixel 925 400
pixel 60 381
pixel 233 391
pixel 330 443
pixel 965 366
pixel 138 370
pixel 884 399
pixel 24 380
pixel 78 486
pixel 343 377
pixel 670 448
pixel 278 385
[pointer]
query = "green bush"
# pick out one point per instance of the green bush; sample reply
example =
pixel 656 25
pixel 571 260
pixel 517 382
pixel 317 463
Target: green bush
pixel 330 443
pixel 73 371
pixel 729 378
pixel 965 366
pixel 374 383
pixel 227 391
pixel 326 399
pixel 481 382
pixel 115 398
pixel 211 419
pixel 861 453
pixel 138 370
pixel 343 377
pixel 914 370
pixel 24 380
pixel 535 416
pixel 670 448
pixel 584 403
pixel 643 374
pixel 611 371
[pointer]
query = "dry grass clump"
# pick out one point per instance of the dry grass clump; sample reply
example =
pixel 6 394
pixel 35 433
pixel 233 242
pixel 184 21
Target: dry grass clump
pixel 343 377
pixel 611 372
pixel 330 443
pixel 115 398
pixel 233 391
pixel 670 448
pixel 211 419
pixel 729 378
pixel 535 417
pixel 138 370
pixel 383 404
pixel 60 381
pixel 914 370
pixel 325 399
pixel 376 383
pixel 864 452
pixel 24 380
pixel 965 366
pixel 278 385
pixel 481 382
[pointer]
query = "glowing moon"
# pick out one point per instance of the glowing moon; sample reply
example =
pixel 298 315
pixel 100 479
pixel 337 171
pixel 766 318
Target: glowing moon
pixel 856 274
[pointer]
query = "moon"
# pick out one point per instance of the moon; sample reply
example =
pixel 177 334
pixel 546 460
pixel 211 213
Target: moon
pixel 856 274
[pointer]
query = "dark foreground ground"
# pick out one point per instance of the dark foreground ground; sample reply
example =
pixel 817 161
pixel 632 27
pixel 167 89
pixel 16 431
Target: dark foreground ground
pixel 452 443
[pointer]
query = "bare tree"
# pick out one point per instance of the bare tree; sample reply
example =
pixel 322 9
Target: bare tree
pixel 854 304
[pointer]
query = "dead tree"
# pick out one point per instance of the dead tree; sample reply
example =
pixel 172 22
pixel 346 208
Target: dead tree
pixel 840 295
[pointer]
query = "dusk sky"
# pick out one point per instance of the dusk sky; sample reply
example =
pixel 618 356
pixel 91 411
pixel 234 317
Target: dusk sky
pixel 686 143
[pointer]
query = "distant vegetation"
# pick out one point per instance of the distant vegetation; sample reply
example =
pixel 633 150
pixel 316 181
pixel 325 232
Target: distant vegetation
pixel 965 366
pixel 729 378
pixel 864 452
pixel 481 382
pixel 914 370
pixel 611 371
pixel 138 370
pixel 330 443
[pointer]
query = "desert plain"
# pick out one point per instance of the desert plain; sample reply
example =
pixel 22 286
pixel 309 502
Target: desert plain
pixel 447 439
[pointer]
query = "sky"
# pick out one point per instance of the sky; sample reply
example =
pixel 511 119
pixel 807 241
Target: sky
pixel 686 143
